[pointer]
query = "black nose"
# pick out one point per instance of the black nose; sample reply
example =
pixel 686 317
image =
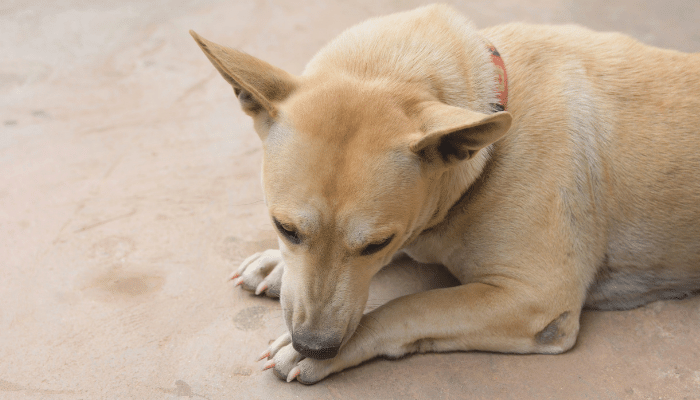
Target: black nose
pixel 313 347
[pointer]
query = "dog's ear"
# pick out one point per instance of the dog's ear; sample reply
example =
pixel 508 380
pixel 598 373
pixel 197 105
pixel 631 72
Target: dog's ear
pixel 453 134
pixel 257 84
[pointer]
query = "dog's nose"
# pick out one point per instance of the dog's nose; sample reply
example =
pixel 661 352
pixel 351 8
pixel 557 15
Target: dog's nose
pixel 313 346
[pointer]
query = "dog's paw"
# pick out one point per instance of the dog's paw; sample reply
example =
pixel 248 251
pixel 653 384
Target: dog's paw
pixel 261 273
pixel 288 364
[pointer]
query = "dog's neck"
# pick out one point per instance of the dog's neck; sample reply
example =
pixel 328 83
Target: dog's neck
pixel 459 179
pixel 454 183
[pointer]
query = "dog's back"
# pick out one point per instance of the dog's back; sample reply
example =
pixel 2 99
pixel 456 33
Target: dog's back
pixel 622 120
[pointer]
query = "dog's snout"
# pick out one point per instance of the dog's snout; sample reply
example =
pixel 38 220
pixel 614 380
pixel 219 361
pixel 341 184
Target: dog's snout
pixel 316 347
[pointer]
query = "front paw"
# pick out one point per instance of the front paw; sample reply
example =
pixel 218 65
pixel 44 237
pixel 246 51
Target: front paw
pixel 288 364
pixel 261 273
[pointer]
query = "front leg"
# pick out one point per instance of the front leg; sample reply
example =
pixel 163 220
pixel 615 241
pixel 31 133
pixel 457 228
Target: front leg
pixel 474 316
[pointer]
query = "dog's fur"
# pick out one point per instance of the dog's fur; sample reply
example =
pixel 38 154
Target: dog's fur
pixel 584 193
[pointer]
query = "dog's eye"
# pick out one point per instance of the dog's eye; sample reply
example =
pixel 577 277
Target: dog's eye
pixel 291 234
pixel 375 247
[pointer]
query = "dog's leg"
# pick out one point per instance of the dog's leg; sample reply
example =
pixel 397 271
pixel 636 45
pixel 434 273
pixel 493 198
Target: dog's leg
pixel 474 316
pixel 261 273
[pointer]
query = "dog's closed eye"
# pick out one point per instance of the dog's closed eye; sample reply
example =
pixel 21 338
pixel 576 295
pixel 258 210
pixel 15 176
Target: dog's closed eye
pixel 375 247
pixel 289 233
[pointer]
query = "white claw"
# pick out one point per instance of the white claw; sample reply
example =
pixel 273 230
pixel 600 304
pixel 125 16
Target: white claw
pixel 261 288
pixel 268 365
pixel 293 374
pixel 265 354
pixel 278 344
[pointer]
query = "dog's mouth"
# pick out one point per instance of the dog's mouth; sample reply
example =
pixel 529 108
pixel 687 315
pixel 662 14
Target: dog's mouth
pixel 320 346
pixel 315 353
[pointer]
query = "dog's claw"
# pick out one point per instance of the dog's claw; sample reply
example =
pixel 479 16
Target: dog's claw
pixel 265 354
pixel 234 276
pixel 238 282
pixel 261 288
pixel 268 365
pixel 293 374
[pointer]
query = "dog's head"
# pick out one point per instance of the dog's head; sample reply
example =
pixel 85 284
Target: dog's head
pixel 352 171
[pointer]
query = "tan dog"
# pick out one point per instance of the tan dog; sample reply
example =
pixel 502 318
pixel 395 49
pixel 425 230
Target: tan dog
pixel 584 192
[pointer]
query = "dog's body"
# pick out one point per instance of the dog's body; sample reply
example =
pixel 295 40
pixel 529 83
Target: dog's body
pixel 584 192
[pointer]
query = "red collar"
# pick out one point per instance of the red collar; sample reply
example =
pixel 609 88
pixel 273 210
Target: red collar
pixel 501 78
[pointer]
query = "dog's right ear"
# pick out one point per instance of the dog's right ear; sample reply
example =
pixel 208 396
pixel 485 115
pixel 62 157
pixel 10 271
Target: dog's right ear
pixel 258 85
pixel 454 134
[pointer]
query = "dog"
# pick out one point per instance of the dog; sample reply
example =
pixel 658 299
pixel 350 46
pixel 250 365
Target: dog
pixel 549 169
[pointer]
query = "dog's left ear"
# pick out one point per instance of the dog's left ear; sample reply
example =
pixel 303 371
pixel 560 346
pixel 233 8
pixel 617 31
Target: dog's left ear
pixel 258 85
pixel 455 134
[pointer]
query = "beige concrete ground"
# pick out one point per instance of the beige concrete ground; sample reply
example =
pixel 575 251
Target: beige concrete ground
pixel 129 189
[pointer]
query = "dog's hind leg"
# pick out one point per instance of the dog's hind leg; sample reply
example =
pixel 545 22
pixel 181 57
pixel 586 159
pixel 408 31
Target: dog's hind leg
pixel 261 273
pixel 474 316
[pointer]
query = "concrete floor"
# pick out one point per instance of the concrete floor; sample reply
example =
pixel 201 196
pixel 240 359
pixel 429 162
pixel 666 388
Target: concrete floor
pixel 129 189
